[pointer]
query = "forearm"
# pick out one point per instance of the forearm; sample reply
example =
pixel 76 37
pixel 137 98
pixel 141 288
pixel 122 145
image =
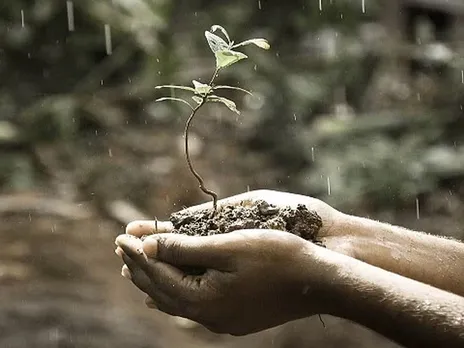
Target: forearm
pixel 429 259
pixel 406 311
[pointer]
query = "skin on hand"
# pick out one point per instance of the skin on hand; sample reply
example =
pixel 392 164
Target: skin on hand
pixel 429 259
pixel 329 215
pixel 253 278
pixel 258 279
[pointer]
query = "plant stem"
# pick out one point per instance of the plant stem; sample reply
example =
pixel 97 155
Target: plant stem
pixel 187 154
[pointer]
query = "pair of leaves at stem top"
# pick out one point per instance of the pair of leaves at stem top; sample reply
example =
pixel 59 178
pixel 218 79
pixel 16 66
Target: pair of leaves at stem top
pixel 225 56
pixel 223 50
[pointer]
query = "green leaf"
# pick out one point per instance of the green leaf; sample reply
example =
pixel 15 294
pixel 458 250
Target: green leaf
pixel 186 88
pixel 261 43
pixel 174 99
pixel 201 88
pixel 232 87
pixel 197 99
pixel 218 27
pixel 215 42
pixel 227 102
pixel 225 58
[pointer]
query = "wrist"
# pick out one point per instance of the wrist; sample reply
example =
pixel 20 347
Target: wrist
pixel 317 278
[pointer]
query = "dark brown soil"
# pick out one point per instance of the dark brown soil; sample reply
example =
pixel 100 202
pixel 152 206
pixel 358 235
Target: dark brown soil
pixel 255 215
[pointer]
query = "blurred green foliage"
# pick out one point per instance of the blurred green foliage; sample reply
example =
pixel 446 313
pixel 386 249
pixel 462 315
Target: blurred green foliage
pixel 60 86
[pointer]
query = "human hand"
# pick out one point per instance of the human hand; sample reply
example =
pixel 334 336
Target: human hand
pixel 329 216
pixel 254 279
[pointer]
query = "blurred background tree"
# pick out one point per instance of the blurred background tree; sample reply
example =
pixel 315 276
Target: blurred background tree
pixel 359 102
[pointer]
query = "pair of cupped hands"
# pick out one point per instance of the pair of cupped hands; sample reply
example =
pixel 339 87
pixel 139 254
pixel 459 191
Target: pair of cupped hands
pixel 252 279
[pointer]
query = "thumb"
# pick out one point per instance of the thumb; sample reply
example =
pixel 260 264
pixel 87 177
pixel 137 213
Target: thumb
pixel 141 228
pixel 183 250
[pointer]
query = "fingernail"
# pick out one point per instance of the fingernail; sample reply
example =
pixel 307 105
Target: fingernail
pixel 126 273
pixel 119 252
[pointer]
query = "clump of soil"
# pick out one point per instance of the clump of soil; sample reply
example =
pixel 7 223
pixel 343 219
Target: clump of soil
pixel 252 215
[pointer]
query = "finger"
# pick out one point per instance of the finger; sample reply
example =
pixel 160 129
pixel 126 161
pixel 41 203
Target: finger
pixel 150 303
pixel 167 278
pixel 159 300
pixel 168 288
pixel 133 247
pixel 142 228
pixel 133 255
pixel 164 304
pixel 150 274
pixel 181 250
pixel 167 285
pixel 125 272
pixel 133 272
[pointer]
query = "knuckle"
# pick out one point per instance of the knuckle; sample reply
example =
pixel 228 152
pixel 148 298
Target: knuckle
pixel 170 249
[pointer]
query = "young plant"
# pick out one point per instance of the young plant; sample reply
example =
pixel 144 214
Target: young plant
pixel 225 54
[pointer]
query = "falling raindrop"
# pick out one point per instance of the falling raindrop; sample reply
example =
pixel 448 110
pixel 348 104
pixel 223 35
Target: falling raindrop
pixel 70 10
pixel 320 5
pixel 110 152
pixel 328 186
pixel 22 18
pixel 462 76
pixel 101 82
pixel 363 5
pixel 312 154
pixel 259 4
pixel 108 44
pixel 417 209
pixel 248 188
pixel 294 117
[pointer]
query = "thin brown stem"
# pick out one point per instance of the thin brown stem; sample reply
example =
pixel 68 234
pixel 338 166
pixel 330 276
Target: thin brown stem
pixel 187 153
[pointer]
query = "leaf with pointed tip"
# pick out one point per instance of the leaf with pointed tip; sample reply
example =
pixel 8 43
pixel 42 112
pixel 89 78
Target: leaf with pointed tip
pixel 174 99
pixel 226 58
pixel 186 88
pixel 232 87
pixel 201 88
pixel 215 42
pixel 227 102
pixel 261 43
pixel 197 99
pixel 218 27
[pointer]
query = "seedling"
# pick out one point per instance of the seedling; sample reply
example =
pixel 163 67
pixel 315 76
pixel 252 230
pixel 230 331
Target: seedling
pixel 225 54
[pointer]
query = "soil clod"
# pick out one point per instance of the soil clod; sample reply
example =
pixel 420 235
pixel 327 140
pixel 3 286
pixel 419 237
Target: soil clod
pixel 257 215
